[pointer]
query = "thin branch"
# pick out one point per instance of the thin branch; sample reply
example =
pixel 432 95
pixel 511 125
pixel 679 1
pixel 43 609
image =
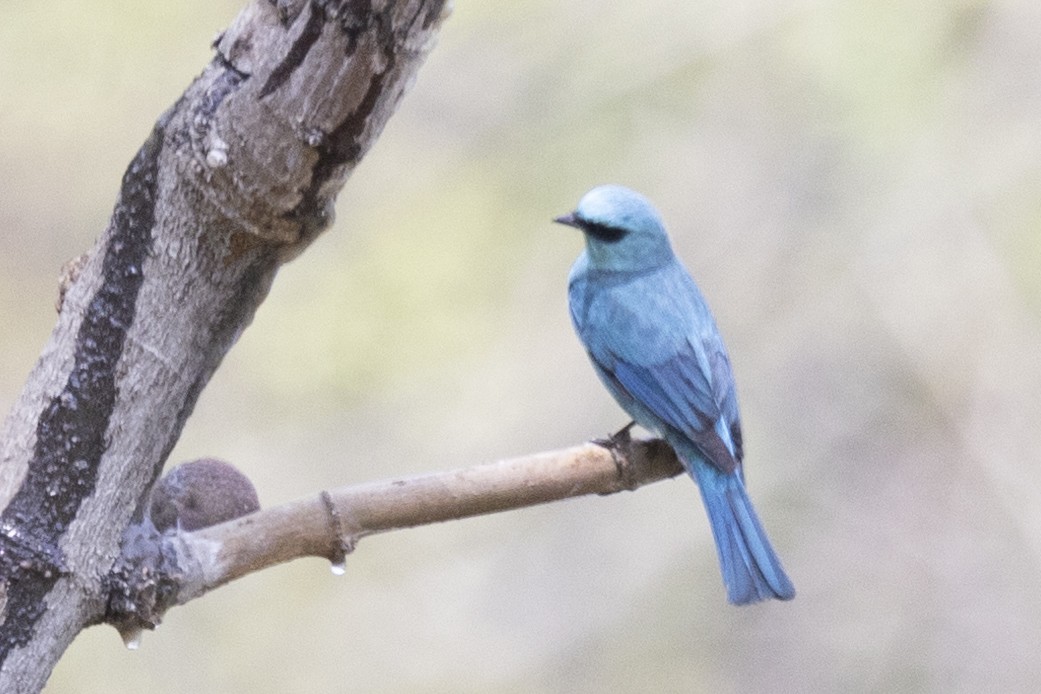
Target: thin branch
pixel 330 524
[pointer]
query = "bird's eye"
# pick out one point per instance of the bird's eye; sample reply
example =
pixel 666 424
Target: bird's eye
pixel 604 232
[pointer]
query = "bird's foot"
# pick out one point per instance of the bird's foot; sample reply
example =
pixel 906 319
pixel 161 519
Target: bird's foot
pixel 619 444
pixel 620 439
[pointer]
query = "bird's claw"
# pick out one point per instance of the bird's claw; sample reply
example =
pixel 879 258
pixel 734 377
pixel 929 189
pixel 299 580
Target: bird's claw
pixel 619 444
pixel 621 439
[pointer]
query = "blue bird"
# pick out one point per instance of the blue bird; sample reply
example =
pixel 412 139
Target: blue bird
pixel 655 345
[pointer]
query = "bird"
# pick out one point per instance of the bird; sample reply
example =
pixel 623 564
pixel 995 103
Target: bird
pixel 655 345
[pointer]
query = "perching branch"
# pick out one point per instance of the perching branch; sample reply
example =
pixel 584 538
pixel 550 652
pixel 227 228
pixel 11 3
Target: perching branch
pixel 330 524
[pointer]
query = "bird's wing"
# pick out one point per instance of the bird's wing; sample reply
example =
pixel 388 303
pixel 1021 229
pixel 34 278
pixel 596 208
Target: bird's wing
pixel 678 391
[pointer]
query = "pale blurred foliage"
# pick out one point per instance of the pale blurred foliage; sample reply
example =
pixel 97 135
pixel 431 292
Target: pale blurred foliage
pixel 856 187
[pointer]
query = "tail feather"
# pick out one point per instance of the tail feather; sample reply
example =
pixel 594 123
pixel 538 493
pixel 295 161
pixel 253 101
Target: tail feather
pixel 751 570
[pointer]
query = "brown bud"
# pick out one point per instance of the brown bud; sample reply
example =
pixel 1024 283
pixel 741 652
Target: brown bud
pixel 200 494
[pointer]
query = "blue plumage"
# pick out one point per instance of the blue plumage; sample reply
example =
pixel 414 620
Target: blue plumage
pixel 655 345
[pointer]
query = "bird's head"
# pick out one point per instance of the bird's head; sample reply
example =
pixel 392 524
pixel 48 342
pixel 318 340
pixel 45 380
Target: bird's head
pixel 623 230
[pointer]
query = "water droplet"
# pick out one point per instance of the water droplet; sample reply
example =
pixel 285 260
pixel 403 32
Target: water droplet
pixel 132 639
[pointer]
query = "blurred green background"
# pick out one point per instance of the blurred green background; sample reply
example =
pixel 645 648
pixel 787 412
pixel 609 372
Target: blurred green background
pixel 857 187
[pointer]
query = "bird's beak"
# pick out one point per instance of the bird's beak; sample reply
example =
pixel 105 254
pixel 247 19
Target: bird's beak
pixel 569 219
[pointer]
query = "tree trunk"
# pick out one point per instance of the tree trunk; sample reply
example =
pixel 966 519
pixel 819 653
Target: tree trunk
pixel 236 178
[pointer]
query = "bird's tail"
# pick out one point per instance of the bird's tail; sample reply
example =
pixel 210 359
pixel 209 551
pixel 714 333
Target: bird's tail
pixel 751 570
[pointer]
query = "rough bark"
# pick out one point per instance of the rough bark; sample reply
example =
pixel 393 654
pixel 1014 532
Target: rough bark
pixel 236 178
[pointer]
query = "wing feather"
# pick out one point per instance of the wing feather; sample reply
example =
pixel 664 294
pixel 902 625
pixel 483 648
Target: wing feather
pixel 678 392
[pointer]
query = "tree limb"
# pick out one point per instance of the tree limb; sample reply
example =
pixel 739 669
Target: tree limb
pixel 236 178
pixel 182 566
